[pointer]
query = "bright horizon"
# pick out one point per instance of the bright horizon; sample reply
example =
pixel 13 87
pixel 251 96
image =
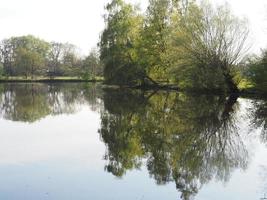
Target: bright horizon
pixel 80 22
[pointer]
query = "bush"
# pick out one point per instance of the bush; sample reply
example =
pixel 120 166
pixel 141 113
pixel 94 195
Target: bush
pixel 257 72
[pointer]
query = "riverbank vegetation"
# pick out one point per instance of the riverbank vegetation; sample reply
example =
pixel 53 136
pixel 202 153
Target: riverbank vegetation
pixel 177 44
pixel 31 58
pixel 194 46
pixel 255 72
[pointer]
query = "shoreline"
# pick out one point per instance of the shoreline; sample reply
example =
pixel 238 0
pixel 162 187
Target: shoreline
pixel 243 92
pixel 48 80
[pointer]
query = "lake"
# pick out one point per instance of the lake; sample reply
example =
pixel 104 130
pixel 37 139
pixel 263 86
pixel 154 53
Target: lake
pixel 79 141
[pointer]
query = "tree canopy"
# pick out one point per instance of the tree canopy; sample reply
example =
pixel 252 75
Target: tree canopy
pixel 180 42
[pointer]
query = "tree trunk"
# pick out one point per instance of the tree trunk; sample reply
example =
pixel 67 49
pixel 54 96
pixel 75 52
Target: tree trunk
pixel 229 106
pixel 232 87
pixel 151 80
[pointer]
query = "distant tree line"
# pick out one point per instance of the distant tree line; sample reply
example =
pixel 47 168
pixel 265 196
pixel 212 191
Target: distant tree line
pixel 193 45
pixel 29 56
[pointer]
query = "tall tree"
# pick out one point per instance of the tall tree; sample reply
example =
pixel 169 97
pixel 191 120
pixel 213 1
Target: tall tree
pixel 55 57
pixel 118 45
pixel 156 38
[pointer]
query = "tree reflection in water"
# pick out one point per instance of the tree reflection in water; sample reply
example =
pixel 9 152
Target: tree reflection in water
pixel 183 138
pixel 258 116
pixel 32 102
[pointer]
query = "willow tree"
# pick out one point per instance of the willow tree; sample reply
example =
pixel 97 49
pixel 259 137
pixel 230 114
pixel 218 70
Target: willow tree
pixel 212 39
pixel 118 45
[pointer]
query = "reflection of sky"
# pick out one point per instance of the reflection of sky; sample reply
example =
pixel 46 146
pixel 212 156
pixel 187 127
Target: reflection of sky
pixel 65 181
pixel 61 157
pixel 245 185
pixel 64 136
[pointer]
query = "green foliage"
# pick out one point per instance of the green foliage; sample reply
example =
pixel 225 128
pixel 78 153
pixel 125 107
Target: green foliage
pixel 211 42
pixel 92 66
pixel 118 45
pixel 2 72
pixel 155 41
pixel 31 56
pixel 195 46
pixel 256 72
pixel 23 55
pixel 28 62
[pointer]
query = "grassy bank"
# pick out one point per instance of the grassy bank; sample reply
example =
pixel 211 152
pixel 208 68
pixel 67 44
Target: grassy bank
pixel 48 79
pixel 247 88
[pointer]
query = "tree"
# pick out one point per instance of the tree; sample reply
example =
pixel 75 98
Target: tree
pixel 63 59
pixel 256 71
pixel 30 55
pixel 212 39
pixel 7 56
pixel 71 62
pixel 25 49
pixel 54 58
pixel 155 41
pixel 92 65
pixel 28 62
pixel 118 45
pixel 2 73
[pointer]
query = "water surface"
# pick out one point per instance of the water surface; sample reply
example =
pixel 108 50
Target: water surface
pixel 78 141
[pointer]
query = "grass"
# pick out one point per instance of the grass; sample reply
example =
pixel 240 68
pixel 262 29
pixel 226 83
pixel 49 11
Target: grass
pixel 49 79
pixel 245 84
pixel 247 88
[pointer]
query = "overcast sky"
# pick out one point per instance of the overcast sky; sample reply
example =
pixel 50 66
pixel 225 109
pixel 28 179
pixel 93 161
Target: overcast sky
pixel 80 21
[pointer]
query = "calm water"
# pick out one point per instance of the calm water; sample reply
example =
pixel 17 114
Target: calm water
pixel 77 141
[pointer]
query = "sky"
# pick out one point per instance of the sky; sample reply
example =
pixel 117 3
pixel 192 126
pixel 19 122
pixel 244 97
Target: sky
pixel 81 21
